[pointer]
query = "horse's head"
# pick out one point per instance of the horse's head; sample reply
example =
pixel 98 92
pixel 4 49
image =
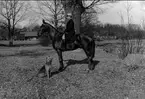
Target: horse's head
pixel 44 34
pixel 44 29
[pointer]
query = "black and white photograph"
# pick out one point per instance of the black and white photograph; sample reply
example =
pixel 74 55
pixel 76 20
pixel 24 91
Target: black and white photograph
pixel 72 49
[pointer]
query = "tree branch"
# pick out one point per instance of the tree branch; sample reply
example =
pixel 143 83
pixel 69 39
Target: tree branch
pixel 55 10
pixel 92 4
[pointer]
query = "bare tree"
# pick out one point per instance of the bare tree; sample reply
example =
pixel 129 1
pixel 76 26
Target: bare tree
pixel 128 9
pixel 52 11
pixel 13 11
pixel 121 18
pixel 132 36
pixel 31 23
pixel 143 23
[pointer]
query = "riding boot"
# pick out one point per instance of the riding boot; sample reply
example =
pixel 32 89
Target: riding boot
pixel 65 44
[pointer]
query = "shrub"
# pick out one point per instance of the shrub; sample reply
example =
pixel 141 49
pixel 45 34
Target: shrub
pixel 131 44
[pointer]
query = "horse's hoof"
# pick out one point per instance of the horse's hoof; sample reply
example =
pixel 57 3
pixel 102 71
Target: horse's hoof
pixel 91 67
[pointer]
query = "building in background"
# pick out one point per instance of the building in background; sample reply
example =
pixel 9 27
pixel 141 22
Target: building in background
pixel 27 36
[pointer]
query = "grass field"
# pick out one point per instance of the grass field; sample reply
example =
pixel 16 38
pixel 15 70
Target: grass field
pixel 20 43
pixel 111 79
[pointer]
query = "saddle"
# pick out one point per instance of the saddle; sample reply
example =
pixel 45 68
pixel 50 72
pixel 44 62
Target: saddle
pixel 69 39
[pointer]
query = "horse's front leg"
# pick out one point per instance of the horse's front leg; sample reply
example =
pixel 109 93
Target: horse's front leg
pixel 60 60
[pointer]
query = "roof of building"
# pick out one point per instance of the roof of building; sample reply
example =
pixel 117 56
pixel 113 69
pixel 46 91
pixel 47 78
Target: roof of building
pixel 29 33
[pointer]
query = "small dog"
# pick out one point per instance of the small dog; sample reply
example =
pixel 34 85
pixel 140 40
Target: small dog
pixel 45 70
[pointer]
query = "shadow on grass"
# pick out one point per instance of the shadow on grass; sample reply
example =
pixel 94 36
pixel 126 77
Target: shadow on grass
pixel 73 62
pixel 70 62
pixel 84 61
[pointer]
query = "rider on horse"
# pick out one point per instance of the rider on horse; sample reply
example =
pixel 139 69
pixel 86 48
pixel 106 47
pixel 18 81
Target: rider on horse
pixel 69 32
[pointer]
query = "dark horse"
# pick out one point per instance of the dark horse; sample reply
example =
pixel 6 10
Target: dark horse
pixel 80 41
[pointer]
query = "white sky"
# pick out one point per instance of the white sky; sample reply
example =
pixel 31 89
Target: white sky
pixel 110 15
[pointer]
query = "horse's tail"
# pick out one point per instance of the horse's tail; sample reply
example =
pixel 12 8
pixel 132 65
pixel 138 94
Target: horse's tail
pixel 89 46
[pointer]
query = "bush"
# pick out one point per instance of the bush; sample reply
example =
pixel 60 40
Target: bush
pixel 131 45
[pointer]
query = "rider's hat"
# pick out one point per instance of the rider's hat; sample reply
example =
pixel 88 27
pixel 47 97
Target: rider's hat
pixel 69 15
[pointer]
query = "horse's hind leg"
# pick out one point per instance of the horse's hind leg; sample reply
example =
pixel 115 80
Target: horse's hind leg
pixel 91 65
pixel 90 51
pixel 60 60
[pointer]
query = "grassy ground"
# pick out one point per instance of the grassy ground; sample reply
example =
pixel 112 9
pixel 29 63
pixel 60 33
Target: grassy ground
pixel 111 79
pixel 20 42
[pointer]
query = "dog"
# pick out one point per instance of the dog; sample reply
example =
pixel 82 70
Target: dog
pixel 45 70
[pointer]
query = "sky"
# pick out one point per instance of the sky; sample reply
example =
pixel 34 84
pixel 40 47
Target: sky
pixel 111 13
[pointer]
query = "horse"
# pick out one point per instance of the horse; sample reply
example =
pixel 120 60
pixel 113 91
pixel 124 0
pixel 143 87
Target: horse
pixel 80 41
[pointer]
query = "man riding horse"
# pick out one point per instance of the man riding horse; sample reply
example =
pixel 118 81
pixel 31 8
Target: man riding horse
pixel 82 41
pixel 69 32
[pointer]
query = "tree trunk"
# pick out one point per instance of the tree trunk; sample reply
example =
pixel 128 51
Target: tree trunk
pixel 11 41
pixel 77 12
pixel 10 34
pixel 55 22
pixel 55 15
pixel 77 18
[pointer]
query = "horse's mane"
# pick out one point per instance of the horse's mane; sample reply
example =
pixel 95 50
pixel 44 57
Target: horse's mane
pixel 57 31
